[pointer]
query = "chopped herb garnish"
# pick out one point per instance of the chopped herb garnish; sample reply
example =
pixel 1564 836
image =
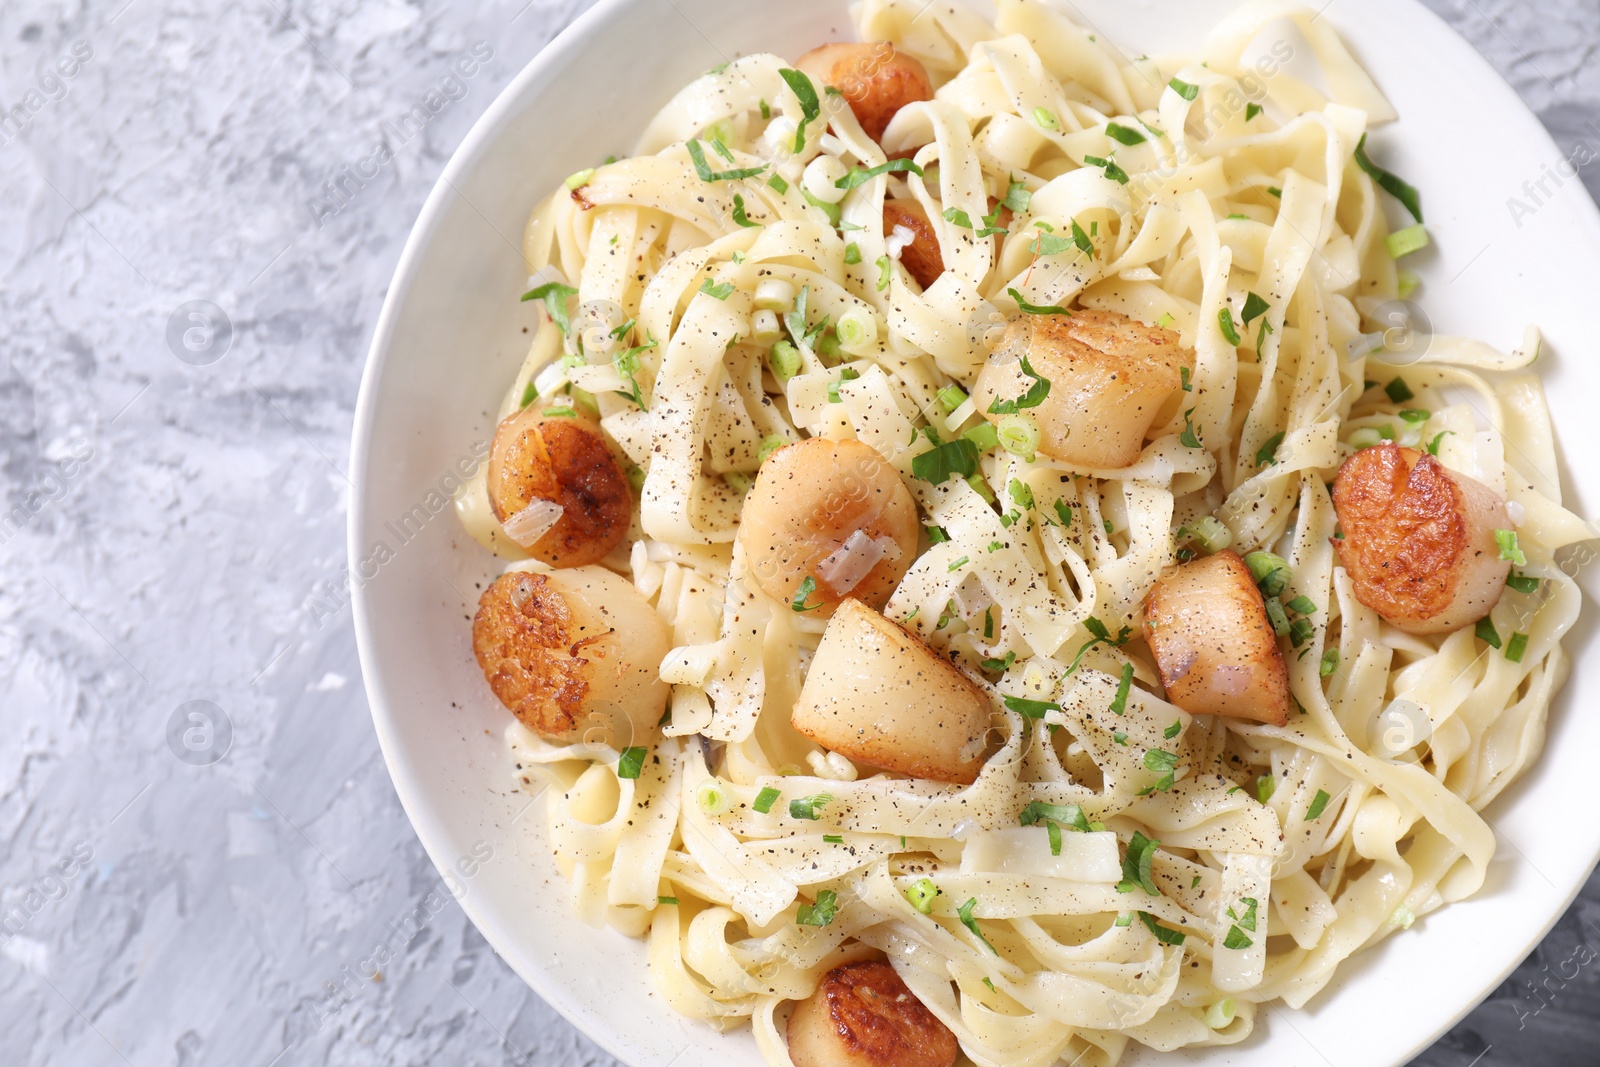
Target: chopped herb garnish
pixel 958 564
pixel 965 914
pixel 1399 391
pixel 884 271
pixel 555 296
pixel 1163 934
pixel 1064 512
pixel 1034 396
pixel 1020 494
pixel 1236 939
pixel 777 182
pixel 1268 453
pixel 860 176
pixel 806 807
pixel 999 664
pixel 833 839
pixel 1174 730
pixel 958 457
pixel 765 799
pixel 1270 571
pixel 1017 197
pixel 1136 866
pixel 1509 549
pixel 1487 633
pixel 1124 135
pixel 1160 760
pixel 1253 306
pixel 1229 331
pixel 852 253
pixel 702 168
pixel 1184 89
pixel 1516 647
pixel 1319 804
pixel 1416 415
pixel 1183 377
pixel 1390 183
pixel 920 894
pixel 631 761
pixel 1302 605
pixel 1037 309
pixel 1301 631
pixel 821 913
pixel 666 900
pixel 810 106
pixel 1266 785
pixel 1251 111
pixel 1030 709
pixel 1330 662
pixel 1187 438
pixel 1438 439
pixel 808 585
pixel 1080 239
pixel 1119 703
pixel 1069 815
pixel 936 535
pixel 739 215
pixel 1522 583
pixel 721 292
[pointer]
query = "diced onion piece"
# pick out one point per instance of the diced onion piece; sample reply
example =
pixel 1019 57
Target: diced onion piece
pixel 898 239
pixel 533 522
pixel 857 329
pixel 775 294
pixel 765 328
pixel 1018 435
pixel 854 560
pixel 1210 533
pixel 784 359
pixel 819 178
pixel 712 798
pixel 1220 1014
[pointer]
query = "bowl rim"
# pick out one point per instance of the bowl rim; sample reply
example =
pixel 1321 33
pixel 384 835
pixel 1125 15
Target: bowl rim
pixel 577 34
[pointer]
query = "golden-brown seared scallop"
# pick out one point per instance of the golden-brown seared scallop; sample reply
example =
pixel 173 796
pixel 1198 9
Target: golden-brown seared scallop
pixel 834 512
pixel 875 80
pixel 922 257
pixel 877 694
pixel 862 1015
pixel 1419 540
pixel 539 460
pixel 1214 646
pixel 1109 376
pixel 576 655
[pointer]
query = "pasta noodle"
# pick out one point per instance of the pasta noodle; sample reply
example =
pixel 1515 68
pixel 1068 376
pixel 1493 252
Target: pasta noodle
pixel 1270 853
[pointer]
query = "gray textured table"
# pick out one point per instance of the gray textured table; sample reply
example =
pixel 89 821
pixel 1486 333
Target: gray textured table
pixel 188 537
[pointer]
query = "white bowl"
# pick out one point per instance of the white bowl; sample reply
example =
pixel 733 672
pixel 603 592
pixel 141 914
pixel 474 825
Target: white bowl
pixel 452 334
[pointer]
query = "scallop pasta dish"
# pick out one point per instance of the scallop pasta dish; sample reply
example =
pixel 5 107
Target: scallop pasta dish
pixel 986 575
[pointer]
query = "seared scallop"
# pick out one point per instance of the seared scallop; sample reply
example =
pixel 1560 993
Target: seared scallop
pixel 576 655
pixel 833 513
pixel 862 1015
pixel 556 486
pixel 874 79
pixel 922 257
pixel 1419 539
pixel 1207 625
pixel 877 694
pixel 1109 377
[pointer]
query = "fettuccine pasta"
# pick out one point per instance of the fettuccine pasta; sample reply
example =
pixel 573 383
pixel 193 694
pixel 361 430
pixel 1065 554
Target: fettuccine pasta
pixel 967 513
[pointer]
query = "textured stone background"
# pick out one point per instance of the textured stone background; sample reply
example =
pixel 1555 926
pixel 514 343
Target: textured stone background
pixel 190 532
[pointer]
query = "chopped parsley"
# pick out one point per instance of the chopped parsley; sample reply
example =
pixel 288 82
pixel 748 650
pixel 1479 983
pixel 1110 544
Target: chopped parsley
pixel 1119 703
pixel 1029 709
pixel 555 296
pixel 935 466
pixel 1319 804
pixel 1163 934
pixel 702 168
pixel 1486 632
pixel 1251 111
pixel 1390 183
pixel 1236 939
pixel 1188 438
pixel 1034 396
pixel 965 914
pixel 721 292
pixel 631 762
pixel 1136 866
pixel 1267 454
pixel 1037 309
pixel 999 664
pixel 1522 583
pixel 808 585
pixel 860 176
pixel 1184 89
pixel 1253 307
